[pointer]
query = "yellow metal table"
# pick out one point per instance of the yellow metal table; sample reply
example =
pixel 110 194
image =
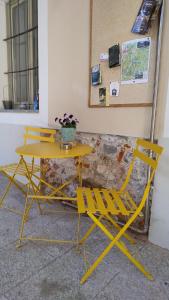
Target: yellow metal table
pixel 45 150
pixel 52 150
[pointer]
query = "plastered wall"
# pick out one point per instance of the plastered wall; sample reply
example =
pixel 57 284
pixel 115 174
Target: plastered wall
pixel 68 41
pixel 10 138
pixel 162 126
pixel 159 225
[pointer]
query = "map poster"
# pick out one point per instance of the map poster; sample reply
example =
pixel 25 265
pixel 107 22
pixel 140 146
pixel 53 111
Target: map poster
pixel 135 61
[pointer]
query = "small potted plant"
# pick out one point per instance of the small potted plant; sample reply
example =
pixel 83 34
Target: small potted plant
pixel 68 127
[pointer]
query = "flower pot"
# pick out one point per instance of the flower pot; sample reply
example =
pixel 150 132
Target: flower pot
pixel 68 134
pixel 8 104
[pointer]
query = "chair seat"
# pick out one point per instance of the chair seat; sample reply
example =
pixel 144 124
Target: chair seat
pixel 10 169
pixel 104 201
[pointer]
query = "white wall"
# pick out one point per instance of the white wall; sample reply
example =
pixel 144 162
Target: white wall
pixel 163 95
pixel 10 138
pixel 159 225
pixel 166 116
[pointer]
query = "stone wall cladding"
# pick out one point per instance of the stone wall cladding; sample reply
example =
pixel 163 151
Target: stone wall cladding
pixel 105 167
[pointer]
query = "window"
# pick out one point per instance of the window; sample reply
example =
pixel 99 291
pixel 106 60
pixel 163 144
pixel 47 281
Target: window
pixel 22 47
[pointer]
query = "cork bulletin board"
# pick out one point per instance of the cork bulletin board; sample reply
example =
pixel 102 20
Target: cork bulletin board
pixel 110 23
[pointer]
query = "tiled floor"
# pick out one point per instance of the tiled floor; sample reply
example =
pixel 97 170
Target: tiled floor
pixel 50 271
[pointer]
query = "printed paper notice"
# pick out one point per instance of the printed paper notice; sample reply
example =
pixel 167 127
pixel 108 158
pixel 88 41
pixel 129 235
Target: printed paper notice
pixel 135 61
pixel 114 88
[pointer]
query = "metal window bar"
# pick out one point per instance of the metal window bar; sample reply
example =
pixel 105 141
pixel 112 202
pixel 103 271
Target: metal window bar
pixel 20 71
pixel 21 33
pixel 22 44
pixel 19 78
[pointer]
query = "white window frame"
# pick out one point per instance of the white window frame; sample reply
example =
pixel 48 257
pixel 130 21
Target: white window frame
pixel 30 86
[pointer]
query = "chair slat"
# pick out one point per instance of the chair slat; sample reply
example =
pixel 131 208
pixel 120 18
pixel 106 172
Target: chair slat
pixel 90 200
pixel 39 138
pixel 148 145
pixel 110 202
pixel 99 201
pixel 37 134
pixel 127 203
pixel 145 158
pixel 40 130
pixel 119 203
pixel 133 204
pixel 80 201
pixel 11 168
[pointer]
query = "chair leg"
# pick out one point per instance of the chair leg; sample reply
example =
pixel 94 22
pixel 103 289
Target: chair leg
pixel 25 216
pixel 38 188
pixel 114 242
pixel 136 262
pixel 14 182
pixel 89 231
pixel 78 230
pixel 118 227
pixel 11 180
pixel 5 193
pixel 28 210
pixel 79 171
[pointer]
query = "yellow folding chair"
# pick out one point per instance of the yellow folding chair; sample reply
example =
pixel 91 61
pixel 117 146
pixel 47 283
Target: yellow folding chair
pixel 101 204
pixel 11 171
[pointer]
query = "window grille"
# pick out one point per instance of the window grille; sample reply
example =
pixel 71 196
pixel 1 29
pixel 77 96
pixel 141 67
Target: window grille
pixel 22 48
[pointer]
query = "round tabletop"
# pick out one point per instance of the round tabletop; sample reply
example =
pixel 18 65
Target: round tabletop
pixel 53 150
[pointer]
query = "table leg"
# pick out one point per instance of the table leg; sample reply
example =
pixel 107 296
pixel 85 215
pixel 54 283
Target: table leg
pixel 35 188
pixel 24 218
pixel 39 187
pixel 79 171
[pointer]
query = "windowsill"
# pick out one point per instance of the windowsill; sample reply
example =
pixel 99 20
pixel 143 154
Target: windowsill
pixel 18 111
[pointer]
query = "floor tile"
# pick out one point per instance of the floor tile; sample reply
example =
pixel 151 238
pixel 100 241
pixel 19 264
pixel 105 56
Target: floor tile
pixel 61 280
pixel 17 265
pixel 157 260
pixel 56 226
pixel 131 287
pixel 9 228
pixel 3 298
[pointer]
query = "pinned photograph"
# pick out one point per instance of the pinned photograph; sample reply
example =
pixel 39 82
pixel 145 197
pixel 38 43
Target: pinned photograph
pixel 96 75
pixel 114 88
pixel 102 96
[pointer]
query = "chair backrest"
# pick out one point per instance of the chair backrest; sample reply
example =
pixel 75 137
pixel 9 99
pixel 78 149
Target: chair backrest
pixel 39 134
pixel 149 154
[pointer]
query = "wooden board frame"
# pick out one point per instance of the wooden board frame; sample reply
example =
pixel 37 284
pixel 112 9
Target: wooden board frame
pixel 143 104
